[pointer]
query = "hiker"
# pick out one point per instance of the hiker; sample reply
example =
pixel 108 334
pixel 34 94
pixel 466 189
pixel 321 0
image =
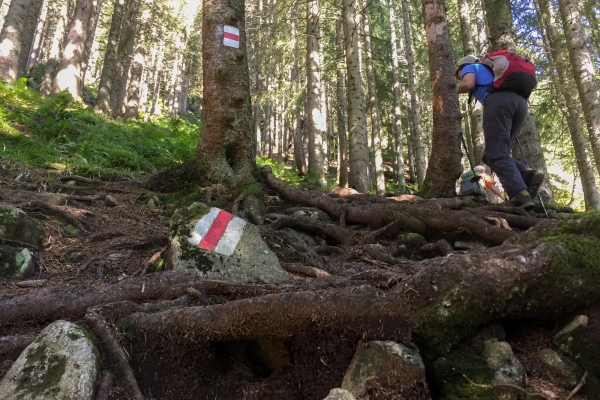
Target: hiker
pixel 504 112
pixel 485 182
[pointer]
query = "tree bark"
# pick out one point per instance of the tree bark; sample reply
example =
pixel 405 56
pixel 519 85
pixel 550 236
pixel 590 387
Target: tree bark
pixel 583 72
pixel 444 164
pixel 342 172
pixel 314 111
pixel 225 151
pixel 16 38
pixel 108 74
pixel 125 56
pixel 358 151
pixel 34 52
pixel 398 137
pixel 417 134
pixel 373 104
pixel 69 71
pixel 567 101
pixel 55 48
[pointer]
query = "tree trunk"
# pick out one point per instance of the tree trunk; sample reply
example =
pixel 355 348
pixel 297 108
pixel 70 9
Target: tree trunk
pixel 359 151
pixel 137 69
pixel 316 122
pixel 444 164
pixel 16 38
pixel 482 30
pixel 109 72
pixel 417 134
pixel 87 52
pixel 342 107
pixel 567 101
pixel 583 71
pixel 69 71
pixel 373 104
pixel 398 139
pixel 56 47
pixel 34 52
pixel 225 151
pixel 124 56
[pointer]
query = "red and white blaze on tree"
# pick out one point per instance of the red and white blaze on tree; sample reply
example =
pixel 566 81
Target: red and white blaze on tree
pixel 226 148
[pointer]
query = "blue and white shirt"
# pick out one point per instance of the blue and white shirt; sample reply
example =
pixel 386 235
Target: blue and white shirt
pixel 483 77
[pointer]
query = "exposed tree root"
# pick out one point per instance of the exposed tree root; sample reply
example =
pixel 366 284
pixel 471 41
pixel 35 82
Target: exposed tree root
pixel 106 384
pixel 342 236
pixel 305 270
pixel 305 251
pixel 142 243
pixel 253 211
pixel 12 346
pixel 100 328
pixel 55 212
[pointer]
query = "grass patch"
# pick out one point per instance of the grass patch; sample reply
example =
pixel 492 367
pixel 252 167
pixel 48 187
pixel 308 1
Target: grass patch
pixel 44 132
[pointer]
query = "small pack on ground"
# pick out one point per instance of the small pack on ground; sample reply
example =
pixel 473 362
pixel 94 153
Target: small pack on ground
pixel 470 186
pixel 512 73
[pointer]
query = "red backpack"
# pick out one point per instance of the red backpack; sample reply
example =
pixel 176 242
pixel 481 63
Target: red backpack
pixel 512 73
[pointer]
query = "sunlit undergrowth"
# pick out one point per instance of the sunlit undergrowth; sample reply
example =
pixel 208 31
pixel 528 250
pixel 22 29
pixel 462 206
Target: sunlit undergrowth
pixel 55 132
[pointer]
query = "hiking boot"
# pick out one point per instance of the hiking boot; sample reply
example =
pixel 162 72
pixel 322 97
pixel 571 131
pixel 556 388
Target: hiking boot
pixel 533 179
pixel 523 200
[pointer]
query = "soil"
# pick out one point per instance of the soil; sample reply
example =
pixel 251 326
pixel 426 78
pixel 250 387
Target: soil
pixel 118 242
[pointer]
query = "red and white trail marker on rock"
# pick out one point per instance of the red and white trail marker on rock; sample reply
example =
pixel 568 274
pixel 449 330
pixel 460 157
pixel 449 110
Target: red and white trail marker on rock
pixel 218 230
pixel 231 36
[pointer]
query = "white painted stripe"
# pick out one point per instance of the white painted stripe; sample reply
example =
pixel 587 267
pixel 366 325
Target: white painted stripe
pixel 203 225
pixel 231 236
pixel 231 43
pixel 232 29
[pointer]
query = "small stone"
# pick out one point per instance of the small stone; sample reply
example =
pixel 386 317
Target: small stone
pixel 110 201
pixel 339 394
pixel 559 365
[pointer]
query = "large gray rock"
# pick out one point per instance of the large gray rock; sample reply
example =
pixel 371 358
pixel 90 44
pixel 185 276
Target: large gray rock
pixel 339 394
pixel 61 364
pixel 386 364
pixel 16 226
pixel 213 243
pixel 16 262
pixel 502 361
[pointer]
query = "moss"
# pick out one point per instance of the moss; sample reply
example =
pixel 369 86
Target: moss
pixel 585 353
pixel 450 375
pixel 70 229
pixel 254 189
pixel 56 366
pixel 73 336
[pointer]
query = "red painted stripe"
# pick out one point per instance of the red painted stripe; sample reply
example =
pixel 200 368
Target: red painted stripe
pixel 216 230
pixel 231 36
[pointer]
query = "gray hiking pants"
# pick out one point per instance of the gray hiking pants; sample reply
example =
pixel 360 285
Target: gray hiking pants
pixel 503 115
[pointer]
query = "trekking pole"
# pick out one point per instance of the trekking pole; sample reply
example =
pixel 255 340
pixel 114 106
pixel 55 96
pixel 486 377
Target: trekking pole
pixel 526 163
pixel 467 153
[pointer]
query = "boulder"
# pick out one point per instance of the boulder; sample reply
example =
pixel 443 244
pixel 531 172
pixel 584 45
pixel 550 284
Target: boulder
pixel 16 226
pixel 61 364
pixel 561 366
pixel 339 394
pixel 16 262
pixel 214 243
pixel 503 363
pixel 387 366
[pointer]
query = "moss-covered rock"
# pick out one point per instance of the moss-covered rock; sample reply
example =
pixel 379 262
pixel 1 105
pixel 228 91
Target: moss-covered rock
pixel 16 262
pixel 16 226
pixel 61 364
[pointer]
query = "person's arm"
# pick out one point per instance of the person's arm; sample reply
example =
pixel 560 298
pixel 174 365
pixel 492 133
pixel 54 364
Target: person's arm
pixel 467 83
pixel 497 191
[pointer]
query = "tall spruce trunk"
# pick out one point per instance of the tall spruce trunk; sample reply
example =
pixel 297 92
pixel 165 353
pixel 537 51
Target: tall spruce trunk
pixel 358 151
pixel 444 164
pixel 342 172
pixel 69 73
pixel 583 72
pixel 398 137
pixel 60 8
pixel 16 37
pixel 34 51
pixel 567 100
pixel 314 111
pixel 109 67
pixel 225 151
pixel 373 104
pixel 124 56
pixel 417 133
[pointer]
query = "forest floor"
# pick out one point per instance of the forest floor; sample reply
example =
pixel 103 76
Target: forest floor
pixel 117 241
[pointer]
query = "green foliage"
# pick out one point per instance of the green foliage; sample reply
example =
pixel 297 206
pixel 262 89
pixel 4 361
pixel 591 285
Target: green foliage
pixel 54 131
pixel 283 172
